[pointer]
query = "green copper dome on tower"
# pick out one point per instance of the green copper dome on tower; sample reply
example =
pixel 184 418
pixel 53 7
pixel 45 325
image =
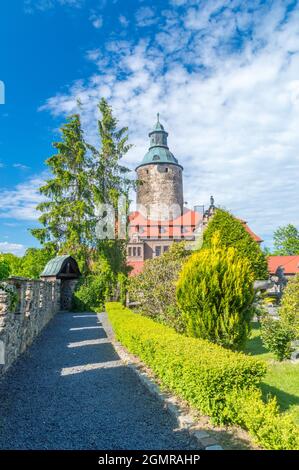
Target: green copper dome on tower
pixel 158 151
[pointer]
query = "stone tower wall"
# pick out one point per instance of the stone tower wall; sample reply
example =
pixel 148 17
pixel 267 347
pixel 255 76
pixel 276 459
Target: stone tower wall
pixel 160 185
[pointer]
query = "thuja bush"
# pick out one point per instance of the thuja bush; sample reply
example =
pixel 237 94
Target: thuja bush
pixel 215 293
pixel 154 290
pixel 232 233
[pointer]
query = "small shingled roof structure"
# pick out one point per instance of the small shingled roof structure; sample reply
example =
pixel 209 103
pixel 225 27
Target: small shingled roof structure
pixel 62 267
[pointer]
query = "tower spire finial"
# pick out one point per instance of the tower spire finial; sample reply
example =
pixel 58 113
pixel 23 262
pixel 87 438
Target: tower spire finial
pixel 158 117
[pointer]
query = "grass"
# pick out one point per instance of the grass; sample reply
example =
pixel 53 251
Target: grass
pixel 282 379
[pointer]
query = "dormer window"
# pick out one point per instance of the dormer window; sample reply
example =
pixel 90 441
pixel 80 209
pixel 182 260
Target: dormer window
pixel 156 158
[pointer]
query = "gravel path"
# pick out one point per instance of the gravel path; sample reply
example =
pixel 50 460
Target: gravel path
pixel 71 391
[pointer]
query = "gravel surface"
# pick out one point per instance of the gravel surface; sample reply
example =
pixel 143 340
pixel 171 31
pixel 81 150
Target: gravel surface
pixel 70 390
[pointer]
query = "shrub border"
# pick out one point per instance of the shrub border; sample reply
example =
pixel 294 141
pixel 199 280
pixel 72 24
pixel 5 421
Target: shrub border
pixel 184 420
pixel 263 421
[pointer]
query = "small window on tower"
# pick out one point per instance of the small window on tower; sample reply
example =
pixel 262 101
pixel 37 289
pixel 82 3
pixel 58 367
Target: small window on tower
pixel 156 157
pixel 166 170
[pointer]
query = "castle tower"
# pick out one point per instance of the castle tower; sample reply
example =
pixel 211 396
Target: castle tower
pixel 159 176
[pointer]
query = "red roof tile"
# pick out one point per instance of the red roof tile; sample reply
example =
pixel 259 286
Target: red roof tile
pixel 289 263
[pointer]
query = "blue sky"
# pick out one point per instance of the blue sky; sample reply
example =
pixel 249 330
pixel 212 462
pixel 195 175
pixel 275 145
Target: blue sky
pixel 224 76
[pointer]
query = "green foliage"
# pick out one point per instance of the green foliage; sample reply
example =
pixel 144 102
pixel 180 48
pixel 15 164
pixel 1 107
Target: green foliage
pixel 233 234
pixel 5 272
pixel 93 290
pixel 215 293
pixel 122 282
pixel 289 308
pixel 277 337
pixel 286 241
pixel 4 268
pixel 14 263
pixel 198 371
pixel 154 288
pixel 263 421
pixel 31 264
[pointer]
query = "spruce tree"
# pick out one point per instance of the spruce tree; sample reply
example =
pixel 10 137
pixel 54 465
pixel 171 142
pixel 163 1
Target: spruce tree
pixel 110 180
pixel 67 214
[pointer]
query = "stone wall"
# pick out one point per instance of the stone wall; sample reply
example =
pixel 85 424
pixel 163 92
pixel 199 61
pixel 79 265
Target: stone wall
pixel 160 185
pixel 21 321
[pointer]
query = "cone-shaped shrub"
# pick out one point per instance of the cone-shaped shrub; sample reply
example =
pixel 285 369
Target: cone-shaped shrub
pixel 233 233
pixel 215 293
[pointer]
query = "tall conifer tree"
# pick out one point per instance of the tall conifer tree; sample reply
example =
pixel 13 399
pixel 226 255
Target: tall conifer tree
pixel 67 213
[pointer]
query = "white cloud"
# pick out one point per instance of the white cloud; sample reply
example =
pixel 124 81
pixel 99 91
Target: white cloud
pixel 21 201
pixel 230 102
pixel 43 5
pixel 123 21
pixel 20 166
pixel 97 21
pixel 145 16
pixel 15 248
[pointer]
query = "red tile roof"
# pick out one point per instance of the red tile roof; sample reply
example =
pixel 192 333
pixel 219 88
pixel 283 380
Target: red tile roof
pixel 248 229
pixel 137 267
pixel 172 228
pixel 289 263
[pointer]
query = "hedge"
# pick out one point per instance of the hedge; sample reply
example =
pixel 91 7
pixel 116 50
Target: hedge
pixel 199 371
pixel 209 377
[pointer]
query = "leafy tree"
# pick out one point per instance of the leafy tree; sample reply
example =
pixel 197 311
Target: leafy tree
pixel 286 241
pixel 154 289
pixel 34 261
pixel 95 289
pixel 215 294
pixel 233 234
pixel 14 262
pixel 4 268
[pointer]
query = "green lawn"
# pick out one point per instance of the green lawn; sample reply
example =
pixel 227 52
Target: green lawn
pixel 282 379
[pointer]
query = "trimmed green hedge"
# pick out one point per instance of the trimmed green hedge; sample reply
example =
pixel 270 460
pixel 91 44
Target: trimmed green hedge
pixel 209 377
pixel 197 370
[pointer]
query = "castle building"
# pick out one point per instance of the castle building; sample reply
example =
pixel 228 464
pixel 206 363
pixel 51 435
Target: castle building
pixel 161 218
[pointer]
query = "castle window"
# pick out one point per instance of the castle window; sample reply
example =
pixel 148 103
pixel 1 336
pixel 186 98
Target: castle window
pixel 130 251
pixel 134 251
pixel 138 251
pixel 156 158
pixel 166 170
pixel 165 248
pixel 157 250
